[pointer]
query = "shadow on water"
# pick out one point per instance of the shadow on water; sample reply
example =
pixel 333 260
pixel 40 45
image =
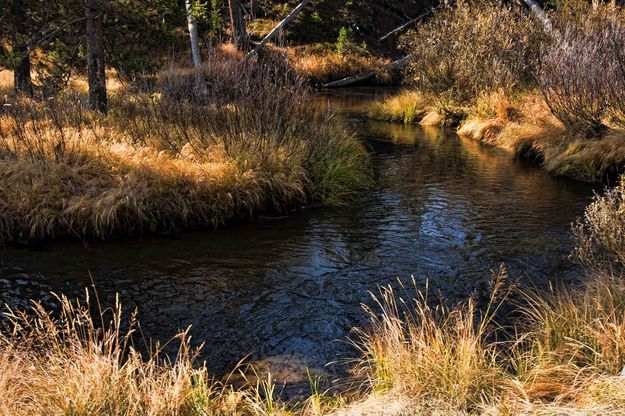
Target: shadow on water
pixel 445 209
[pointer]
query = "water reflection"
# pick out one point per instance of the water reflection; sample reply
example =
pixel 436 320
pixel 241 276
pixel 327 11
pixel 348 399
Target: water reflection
pixel 445 209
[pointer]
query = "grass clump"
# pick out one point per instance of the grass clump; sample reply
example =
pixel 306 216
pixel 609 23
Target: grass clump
pixel 338 179
pixel 431 355
pixel 564 357
pixel 406 107
pixel 178 158
pixel 82 360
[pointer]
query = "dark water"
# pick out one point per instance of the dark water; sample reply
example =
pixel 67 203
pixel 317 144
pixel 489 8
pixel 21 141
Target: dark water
pixel 288 291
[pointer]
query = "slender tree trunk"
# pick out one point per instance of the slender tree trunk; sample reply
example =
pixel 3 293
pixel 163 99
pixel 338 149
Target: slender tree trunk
pixel 237 25
pixel 21 70
pixel 193 35
pixel 540 14
pixel 253 9
pixel 276 29
pixel 95 56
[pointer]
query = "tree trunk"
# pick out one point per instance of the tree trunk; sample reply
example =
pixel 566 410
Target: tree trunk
pixel 253 6
pixel 405 25
pixel 354 79
pixel 276 29
pixel 21 69
pixel 193 35
pixel 540 14
pixel 237 24
pixel 95 56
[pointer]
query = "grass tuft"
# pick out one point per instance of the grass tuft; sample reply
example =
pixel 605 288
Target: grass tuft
pixel 406 107
pixel 81 360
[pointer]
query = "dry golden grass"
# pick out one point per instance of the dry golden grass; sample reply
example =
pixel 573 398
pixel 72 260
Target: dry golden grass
pixel 564 357
pixel 413 107
pixel 321 64
pixel 406 107
pixel 82 361
pixel 433 356
pixel 572 350
pixel 94 183
pixel 6 83
pixel 176 160
pixel 525 127
pixel 79 84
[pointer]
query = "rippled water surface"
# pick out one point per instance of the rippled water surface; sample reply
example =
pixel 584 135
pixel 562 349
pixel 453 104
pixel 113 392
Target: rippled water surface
pixel 287 291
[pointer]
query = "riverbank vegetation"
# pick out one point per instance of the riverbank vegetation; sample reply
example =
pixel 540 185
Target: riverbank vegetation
pixel 562 354
pixel 173 158
pixel 549 91
pixel 116 136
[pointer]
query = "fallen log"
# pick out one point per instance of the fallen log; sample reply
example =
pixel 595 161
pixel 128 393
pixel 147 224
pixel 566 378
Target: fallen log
pixel 275 30
pixel 367 75
pixel 405 25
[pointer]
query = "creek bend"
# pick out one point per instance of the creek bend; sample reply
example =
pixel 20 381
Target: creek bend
pixel 445 210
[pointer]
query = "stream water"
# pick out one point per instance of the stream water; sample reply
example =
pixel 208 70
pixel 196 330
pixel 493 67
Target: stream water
pixel 287 292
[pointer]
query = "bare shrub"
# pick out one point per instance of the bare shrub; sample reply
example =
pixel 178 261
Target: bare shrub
pixel 251 109
pixel 467 49
pixel 600 233
pixel 573 77
pixel 582 69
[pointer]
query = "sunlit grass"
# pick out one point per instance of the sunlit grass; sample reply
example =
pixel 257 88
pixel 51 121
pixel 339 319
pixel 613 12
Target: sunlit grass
pixel 430 354
pixel 81 360
pixel 171 160
pixel 405 107
pixel 525 126
pixel 321 63
pixel 564 356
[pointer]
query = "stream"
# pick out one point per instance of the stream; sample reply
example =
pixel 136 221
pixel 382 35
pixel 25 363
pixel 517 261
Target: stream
pixel 286 292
